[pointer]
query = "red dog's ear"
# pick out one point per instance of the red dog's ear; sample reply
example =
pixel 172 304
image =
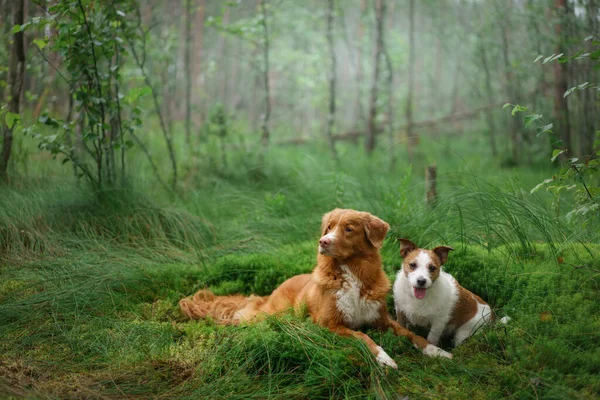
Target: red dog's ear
pixel 326 218
pixel 442 253
pixel 406 246
pixel 376 229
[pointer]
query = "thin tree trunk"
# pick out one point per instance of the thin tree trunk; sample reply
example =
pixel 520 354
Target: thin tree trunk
pixel 490 95
pixel 222 57
pixel 7 25
pixel 509 88
pixel 188 70
pixel 412 139
pixel 198 54
pixel 390 87
pixel 332 82
pixel 266 116
pixel 15 82
pixel 590 109
pixel 371 131
pixel 359 63
pixel 561 109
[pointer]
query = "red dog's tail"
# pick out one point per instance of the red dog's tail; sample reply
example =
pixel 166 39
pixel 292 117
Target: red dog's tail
pixel 227 310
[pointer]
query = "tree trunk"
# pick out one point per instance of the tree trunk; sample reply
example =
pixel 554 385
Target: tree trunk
pixel 332 72
pixel 412 138
pixel 15 83
pixel 490 95
pixel 590 108
pixel 431 185
pixel 359 66
pixel 561 110
pixel 266 116
pixel 7 25
pixel 188 71
pixel 509 88
pixel 197 86
pixel 390 87
pixel 372 128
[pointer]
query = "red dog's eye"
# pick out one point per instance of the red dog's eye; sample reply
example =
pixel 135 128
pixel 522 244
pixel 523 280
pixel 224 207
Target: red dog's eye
pixel 328 228
pixel 348 229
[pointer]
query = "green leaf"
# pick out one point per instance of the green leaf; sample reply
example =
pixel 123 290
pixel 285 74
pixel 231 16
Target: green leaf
pixel 539 185
pixel 506 105
pixel 12 119
pixel 19 28
pixel 556 153
pixel 538 58
pixel 531 118
pixel 136 93
pixel 588 38
pixel 544 129
pixel 518 108
pixel 578 87
pixel 552 58
pixel 41 43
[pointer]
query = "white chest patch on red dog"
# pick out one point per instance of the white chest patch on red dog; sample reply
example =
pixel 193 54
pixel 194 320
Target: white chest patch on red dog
pixel 356 310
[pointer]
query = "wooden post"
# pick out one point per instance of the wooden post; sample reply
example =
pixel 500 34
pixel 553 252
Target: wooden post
pixel 430 185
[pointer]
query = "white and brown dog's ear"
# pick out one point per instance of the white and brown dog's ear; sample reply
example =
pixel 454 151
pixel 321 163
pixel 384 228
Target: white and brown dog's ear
pixel 327 218
pixel 376 229
pixel 406 247
pixel 442 253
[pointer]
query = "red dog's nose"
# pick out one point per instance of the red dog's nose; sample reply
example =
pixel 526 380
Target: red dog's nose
pixel 325 241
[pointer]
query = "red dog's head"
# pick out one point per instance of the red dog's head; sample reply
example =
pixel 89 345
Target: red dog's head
pixel 347 233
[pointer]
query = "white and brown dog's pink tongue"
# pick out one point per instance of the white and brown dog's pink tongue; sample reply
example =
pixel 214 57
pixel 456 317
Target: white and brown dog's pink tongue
pixel 420 293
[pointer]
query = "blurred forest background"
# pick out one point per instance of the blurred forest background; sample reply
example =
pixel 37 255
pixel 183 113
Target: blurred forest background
pixel 194 79
pixel 152 148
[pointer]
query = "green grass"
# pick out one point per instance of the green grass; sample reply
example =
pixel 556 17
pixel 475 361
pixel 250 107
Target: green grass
pixel 89 284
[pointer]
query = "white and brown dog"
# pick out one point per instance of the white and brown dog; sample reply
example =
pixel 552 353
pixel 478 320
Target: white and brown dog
pixel 428 297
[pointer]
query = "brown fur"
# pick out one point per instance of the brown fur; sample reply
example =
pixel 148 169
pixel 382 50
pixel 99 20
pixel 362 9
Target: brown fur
pixel 357 249
pixel 466 306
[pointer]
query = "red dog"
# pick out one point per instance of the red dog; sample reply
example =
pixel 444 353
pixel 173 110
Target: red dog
pixel 347 290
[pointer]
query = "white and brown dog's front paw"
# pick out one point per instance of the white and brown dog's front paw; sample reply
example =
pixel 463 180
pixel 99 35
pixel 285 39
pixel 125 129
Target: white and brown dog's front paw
pixel 434 351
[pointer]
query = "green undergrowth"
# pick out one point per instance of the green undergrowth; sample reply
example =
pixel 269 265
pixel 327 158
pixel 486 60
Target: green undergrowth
pixel 90 282
pixel 90 325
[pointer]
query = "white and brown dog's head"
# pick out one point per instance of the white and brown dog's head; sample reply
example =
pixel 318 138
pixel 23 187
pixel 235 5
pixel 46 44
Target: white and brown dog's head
pixel 346 233
pixel 421 266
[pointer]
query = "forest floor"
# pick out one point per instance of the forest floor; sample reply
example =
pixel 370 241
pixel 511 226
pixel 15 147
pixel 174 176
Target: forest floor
pixel 89 285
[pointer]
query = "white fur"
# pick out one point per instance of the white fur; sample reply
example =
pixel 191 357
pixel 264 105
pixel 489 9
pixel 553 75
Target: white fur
pixel 356 311
pixel 436 309
pixel 434 351
pixel 384 359
pixel 483 316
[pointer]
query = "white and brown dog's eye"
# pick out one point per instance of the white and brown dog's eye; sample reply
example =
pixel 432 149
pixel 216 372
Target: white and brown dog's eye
pixel 328 228
pixel 431 268
pixel 412 265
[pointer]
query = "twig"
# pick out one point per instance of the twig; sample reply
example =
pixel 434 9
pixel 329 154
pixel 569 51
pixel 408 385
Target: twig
pixel 582 181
